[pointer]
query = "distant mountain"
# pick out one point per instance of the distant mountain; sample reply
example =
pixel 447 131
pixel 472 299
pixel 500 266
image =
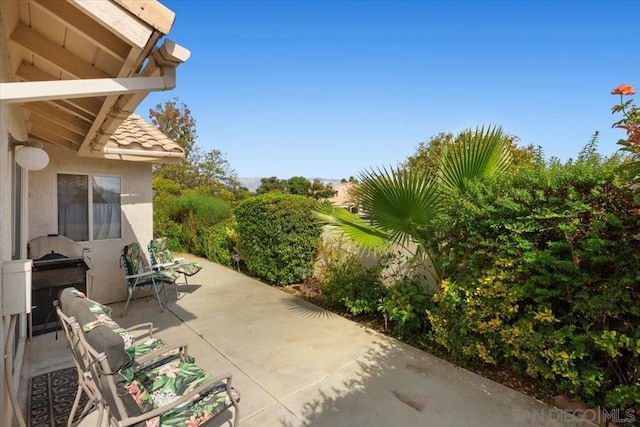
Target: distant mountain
pixel 252 183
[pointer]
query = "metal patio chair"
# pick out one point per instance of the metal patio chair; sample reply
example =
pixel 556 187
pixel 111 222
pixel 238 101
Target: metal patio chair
pixel 162 260
pixel 139 275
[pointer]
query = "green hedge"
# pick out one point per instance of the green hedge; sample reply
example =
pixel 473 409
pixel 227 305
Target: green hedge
pixel 278 236
pixel 187 220
pixel 544 277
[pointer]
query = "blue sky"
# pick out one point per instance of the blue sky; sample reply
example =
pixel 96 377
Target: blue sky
pixel 328 89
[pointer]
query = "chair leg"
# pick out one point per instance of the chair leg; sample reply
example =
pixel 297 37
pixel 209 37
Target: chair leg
pixel 76 403
pixel 155 289
pixel 186 285
pixel 164 290
pixel 124 311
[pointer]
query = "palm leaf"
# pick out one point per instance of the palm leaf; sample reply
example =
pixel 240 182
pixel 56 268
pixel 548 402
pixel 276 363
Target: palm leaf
pixel 401 202
pixel 354 227
pixel 480 154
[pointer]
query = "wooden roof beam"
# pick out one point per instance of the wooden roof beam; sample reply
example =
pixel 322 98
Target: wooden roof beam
pixel 122 23
pixel 31 73
pixel 55 128
pixel 49 50
pixel 45 135
pixel 90 29
pixel 63 118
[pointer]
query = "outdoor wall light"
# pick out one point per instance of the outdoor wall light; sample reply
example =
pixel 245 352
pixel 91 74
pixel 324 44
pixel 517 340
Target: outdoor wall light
pixel 31 158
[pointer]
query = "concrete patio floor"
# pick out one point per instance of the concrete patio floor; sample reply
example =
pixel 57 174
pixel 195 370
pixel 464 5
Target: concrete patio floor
pixel 296 364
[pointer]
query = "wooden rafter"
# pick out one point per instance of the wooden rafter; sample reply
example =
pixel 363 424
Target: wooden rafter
pixel 67 14
pixel 46 135
pixel 55 128
pixel 31 73
pixel 47 49
pixel 62 117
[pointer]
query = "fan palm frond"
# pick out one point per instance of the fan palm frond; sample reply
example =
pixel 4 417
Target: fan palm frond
pixel 357 229
pixel 480 154
pixel 399 201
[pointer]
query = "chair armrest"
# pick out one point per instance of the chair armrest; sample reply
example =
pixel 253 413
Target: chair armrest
pixel 143 274
pixel 182 351
pixel 178 402
pixel 147 325
pixel 177 260
pixel 166 264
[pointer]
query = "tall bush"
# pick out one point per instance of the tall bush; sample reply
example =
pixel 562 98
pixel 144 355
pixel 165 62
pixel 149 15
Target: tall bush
pixel 543 277
pixel 186 219
pixel 278 236
pixel 349 285
pixel 218 242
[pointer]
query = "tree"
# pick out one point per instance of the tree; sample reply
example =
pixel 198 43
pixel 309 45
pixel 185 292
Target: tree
pixel 403 204
pixel 298 185
pixel 204 170
pixel 318 190
pixel 272 184
pixel 429 154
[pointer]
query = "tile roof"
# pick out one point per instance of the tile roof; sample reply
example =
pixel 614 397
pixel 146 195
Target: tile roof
pixel 135 133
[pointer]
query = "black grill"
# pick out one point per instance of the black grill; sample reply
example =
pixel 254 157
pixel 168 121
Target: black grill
pixel 51 273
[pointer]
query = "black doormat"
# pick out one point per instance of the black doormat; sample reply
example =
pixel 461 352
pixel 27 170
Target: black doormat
pixel 51 398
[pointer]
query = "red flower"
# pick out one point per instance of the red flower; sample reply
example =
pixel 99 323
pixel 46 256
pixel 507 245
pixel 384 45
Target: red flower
pixel 623 89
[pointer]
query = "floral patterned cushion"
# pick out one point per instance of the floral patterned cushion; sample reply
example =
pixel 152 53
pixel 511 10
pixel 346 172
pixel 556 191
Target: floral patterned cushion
pixel 162 385
pixel 160 254
pixel 134 263
pixel 102 333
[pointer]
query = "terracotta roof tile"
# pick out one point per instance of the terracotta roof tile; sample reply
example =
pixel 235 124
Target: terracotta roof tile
pixel 135 133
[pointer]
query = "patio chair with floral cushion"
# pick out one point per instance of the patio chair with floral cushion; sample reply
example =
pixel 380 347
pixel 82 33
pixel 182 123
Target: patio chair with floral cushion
pixel 165 390
pixel 142 350
pixel 139 274
pixel 162 260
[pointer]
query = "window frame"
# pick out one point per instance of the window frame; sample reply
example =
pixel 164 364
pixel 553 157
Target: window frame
pixel 90 215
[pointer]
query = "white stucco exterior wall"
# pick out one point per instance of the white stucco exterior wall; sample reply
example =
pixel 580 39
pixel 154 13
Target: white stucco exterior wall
pixel 105 282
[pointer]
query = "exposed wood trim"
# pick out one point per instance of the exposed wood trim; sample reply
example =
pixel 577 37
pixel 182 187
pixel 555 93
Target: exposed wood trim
pixel 45 135
pixel 122 23
pixel 86 26
pixel 69 121
pixel 33 74
pixel 152 12
pixel 55 128
pixel 16 92
pixel 54 53
pixel 69 105
pixel 163 61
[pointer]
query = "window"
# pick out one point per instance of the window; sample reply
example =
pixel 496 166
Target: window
pixel 76 198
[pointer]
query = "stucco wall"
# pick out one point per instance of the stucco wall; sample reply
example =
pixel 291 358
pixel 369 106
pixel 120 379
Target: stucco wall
pixel 106 278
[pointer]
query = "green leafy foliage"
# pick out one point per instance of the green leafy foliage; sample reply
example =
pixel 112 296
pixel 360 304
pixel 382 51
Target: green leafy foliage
pixel 405 306
pixel 351 286
pixel 295 185
pixel 186 220
pixel 278 236
pixel 542 276
pixel 219 243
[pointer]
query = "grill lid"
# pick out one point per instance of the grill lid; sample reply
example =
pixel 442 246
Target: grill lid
pixel 54 247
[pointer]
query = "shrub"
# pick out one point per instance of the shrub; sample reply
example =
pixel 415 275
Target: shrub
pixel 278 236
pixel 185 220
pixel 405 306
pixel 351 286
pixel 218 243
pixel 543 277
